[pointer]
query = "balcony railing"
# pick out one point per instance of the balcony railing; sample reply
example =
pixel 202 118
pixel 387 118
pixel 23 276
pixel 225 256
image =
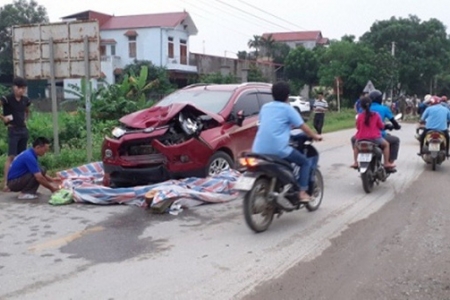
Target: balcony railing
pixel 110 58
pixel 179 60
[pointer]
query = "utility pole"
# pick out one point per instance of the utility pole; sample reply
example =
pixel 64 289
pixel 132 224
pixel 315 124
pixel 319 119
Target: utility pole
pixel 392 81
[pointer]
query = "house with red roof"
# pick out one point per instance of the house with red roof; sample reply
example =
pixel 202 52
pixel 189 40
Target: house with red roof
pixel 162 38
pixel 307 39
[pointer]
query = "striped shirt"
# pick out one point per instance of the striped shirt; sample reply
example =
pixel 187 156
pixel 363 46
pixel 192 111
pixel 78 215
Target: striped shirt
pixel 320 106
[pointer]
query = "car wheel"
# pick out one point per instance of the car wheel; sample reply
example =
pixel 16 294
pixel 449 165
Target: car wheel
pixel 218 163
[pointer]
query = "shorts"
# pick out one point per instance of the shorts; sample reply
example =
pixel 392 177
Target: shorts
pixel 17 140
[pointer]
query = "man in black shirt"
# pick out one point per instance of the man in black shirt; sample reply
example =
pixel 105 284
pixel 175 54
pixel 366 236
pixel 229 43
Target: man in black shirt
pixel 15 113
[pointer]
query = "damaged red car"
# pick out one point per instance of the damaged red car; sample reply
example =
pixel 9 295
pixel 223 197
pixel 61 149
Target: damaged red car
pixel 199 130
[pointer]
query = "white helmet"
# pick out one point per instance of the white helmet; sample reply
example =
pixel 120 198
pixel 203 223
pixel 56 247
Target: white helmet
pixel 427 99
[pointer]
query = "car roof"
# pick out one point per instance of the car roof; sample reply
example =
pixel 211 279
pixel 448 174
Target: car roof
pixel 225 87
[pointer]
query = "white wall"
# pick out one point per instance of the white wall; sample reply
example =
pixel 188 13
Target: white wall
pixel 68 82
pixel 152 44
pixel 148 44
pixel 177 34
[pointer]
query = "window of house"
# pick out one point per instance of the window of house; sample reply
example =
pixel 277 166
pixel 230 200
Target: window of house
pixel 132 46
pixel 113 49
pixel 247 103
pixel 183 52
pixel 102 50
pixel 171 49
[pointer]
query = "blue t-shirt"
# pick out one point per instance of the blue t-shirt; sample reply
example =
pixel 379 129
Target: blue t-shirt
pixel 276 120
pixel 25 163
pixel 436 117
pixel 383 111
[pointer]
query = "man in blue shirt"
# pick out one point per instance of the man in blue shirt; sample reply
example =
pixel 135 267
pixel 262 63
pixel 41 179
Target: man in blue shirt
pixel 385 113
pixel 435 117
pixel 357 106
pixel 25 174
pixel 277 118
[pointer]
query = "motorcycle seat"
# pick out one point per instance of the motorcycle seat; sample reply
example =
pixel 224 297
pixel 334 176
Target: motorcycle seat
pixel 271 158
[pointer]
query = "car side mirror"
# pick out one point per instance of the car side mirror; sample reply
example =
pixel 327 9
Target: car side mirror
pixel 240 118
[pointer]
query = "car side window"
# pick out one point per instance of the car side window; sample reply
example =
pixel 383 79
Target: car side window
pixel 247 103
pixel 264 98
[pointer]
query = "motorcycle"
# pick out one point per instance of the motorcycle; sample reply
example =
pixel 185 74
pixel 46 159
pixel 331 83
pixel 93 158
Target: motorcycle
pixel 434 148
pixel 271 187
pixel 419 130
pixel 369 162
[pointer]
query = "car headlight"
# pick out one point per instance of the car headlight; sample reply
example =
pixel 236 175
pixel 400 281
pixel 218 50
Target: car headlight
pixel 118 132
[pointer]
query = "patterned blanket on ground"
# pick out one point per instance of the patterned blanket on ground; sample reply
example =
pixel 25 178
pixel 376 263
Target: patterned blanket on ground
pixel 85 181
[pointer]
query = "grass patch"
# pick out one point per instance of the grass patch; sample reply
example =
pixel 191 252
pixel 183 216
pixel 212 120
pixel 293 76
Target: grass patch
pixel 335 121
pixel 72 136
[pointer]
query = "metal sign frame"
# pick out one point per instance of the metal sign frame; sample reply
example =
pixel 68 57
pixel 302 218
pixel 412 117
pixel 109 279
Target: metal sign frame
pixel 59 51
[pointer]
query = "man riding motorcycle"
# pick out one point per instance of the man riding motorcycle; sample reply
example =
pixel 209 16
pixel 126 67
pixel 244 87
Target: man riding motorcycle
pixel 277 118
pixel 435 117
pixel 423 105
pixel 385 113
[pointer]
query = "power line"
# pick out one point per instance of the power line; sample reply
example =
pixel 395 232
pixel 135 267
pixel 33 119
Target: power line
pixel 221 10
pixel 255 16
pixel 203 17
pixel 270 14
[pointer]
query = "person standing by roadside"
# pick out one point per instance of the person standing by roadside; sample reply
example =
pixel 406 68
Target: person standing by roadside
pixel 15 113
pixel 320 107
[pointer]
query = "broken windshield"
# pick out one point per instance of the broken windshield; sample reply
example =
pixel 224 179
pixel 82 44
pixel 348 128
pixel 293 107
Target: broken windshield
pixel 206 100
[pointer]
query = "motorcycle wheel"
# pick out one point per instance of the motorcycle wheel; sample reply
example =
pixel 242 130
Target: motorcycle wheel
pixel 433 164
pixel 367 181
pixel 317 192
pixel 256 203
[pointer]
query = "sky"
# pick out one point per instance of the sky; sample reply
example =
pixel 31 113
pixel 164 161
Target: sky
pixel 226 26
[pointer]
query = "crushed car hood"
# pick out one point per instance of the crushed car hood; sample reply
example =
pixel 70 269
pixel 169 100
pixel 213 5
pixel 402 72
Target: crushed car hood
pixel 159 115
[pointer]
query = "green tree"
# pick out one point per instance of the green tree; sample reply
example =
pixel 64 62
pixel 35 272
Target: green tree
pixel 255 43
pixel 280 52
pixel 242 55
pixel 268 44
pixel 302 66
pixel 421 49
pixel 163 86
pixel 355 64
pixel 18 13
pixel 255 74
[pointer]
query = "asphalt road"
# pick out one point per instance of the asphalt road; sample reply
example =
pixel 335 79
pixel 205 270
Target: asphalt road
pixel 386 245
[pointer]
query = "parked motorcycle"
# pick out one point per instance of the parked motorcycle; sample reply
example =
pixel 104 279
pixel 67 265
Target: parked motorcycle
pixel 369 162
pixel 270 185
pixel 434 148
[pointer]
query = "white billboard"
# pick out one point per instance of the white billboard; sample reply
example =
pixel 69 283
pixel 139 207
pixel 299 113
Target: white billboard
pixel 68 49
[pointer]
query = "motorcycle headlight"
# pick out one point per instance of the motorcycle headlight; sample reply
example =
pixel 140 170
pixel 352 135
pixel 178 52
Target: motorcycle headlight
pixel 118 132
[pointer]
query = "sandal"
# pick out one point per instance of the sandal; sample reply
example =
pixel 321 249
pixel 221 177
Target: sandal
pixel 354 166
pixel 27 196
pixel 305 199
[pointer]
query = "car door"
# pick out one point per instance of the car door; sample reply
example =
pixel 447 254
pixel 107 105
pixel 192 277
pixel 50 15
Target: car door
pixel 243 136
pixel 264 97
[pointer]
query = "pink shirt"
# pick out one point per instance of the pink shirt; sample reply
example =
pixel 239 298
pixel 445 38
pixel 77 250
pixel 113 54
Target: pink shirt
pixel 371 132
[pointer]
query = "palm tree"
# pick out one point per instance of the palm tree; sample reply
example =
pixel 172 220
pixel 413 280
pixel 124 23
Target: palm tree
pixel 269 46
pixel 255 43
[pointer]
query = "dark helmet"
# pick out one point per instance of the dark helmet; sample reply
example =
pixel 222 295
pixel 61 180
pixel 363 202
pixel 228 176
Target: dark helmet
pixel 376 96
